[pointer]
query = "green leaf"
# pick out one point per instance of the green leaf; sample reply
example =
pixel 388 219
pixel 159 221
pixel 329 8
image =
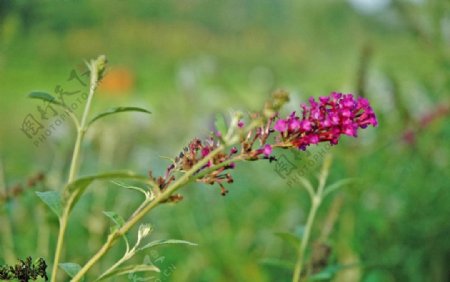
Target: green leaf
pixel 165 242
pixel 327 273
pixel 53 200
pixel 44 96
pixel 117 219
pixel 146 193
pixel 75 189
pixel 332 187
pixel 221 125
pixel 130 270
pixel 278 263
pixel 118 110
pixel 321 276
pixel 290 238
pixel 70 268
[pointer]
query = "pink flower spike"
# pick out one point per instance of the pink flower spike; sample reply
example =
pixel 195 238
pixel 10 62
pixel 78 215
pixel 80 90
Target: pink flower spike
pixel 294 124
pixel 324 99
pixel 305 125
pixel 241 124
pixel 349 130
pixel 267 150
pixel 281 125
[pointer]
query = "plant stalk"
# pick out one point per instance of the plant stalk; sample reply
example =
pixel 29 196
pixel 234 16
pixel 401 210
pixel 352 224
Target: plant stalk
pixel 112 238
pixel 316 200
pixel 74 165
pixel 305 240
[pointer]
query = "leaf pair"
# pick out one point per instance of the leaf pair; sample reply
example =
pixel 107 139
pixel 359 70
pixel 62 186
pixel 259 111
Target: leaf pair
pixel 46 97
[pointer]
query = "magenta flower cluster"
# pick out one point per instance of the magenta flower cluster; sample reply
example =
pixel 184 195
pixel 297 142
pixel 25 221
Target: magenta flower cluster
pixel 325 120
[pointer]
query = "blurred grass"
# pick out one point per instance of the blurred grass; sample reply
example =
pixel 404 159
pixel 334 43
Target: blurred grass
pixel 191 59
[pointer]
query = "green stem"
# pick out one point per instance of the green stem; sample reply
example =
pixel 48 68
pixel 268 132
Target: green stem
pixel 301 251
pixel 112 238
pixel 316 200
pixel 74 165
pixel 117 264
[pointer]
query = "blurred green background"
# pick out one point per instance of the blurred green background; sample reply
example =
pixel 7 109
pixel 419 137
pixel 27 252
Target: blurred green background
pixel 186 61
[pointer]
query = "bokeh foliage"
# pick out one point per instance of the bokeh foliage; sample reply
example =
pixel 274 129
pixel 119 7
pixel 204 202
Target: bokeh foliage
pixel 186 61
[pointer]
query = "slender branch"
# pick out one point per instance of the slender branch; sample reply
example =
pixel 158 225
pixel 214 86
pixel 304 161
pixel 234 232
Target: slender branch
pixel 73 117
pixel 316 200
pixel 127 256
pixel 82 128
pixel 301 251
pixel 74 167
pixel 151 203
pixel 112 238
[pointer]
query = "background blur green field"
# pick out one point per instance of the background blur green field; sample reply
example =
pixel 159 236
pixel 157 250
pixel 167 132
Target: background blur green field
pixel 186 61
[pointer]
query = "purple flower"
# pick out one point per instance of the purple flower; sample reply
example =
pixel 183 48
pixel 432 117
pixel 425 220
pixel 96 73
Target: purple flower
pixel 281 125
pixel 305 125
pixel 205 151
pixel 267 150
pixel 326 120
pixel 294 124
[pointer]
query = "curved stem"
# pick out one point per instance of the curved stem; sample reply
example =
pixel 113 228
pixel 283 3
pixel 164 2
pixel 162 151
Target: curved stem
pixel 151 203
pixel 74 167
pixel 112 238
pixel 73 117
pixel 127 256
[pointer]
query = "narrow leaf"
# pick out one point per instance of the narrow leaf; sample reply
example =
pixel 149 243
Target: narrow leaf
pixel 70 268
pixel 130 270
pixel 118 222
pixel 278 263
pixel 321 276
pixel 332 187
pixel 327 273
pixel 118 110
pixel 123 185
pixel 165 242
pixel 76 189
pixel 117 219
pixel 289 238
pixel 53 200
pixel 43 96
